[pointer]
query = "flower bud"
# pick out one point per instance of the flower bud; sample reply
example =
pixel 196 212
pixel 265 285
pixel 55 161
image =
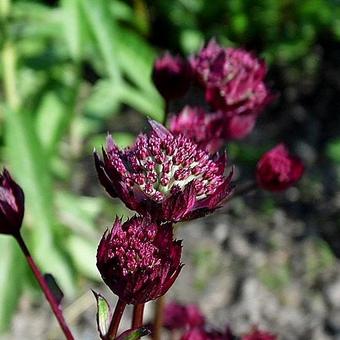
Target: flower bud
pixel 139 260
pixel 11 204
pixel 171 76
pixel 277 170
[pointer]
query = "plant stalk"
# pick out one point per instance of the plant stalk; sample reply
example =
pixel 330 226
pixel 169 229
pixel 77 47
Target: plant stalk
pixel 46 290
pixel 158 320
pixel 115 321
pixel 137 319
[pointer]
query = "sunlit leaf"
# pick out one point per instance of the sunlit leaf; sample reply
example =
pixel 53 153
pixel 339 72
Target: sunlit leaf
pixel 103 314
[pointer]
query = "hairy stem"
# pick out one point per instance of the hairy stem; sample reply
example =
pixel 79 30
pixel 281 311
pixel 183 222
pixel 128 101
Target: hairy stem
pixel 46 290
pixel 158 319
pixel 137 319
pixel 115 321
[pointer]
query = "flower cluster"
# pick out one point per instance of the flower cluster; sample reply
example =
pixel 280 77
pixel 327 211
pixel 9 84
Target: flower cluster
pixel 179 316
pixel 233 82
pixel 138 260
pixel 277 169
pixel 168 177
pixel 189 320
pixel 233 79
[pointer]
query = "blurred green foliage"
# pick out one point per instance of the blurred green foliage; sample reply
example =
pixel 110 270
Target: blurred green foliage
pixel 283 30
pixel 66 71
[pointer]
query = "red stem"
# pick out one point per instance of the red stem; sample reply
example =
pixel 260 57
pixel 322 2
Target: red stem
pixel 46 290
pixel 158 320
pixel 137 319
pixel 115 321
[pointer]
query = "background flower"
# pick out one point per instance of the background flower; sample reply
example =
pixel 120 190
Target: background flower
pixel 277 169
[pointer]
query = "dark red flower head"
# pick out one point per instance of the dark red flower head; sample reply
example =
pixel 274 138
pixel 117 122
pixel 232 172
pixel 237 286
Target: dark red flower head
pixel 204 128
pixel 171 76
pixel 277 169
pixel 178 316
pixel 11 204
pixel 256 334
pixel 233 79
pixel 200 333
pixel 138 259
pixel 166 176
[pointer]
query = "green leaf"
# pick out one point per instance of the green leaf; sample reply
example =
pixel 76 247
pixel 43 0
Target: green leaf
pixel 141 103
pixel 103 27
pixel 103 314
pixel 104 100
pixel 12 278
pixel 50 116
pixel 333 150
pixel 28 163
pixel 73 29
pixel 136 59
pixel 83 254
pixel 79 212
pixel 134 334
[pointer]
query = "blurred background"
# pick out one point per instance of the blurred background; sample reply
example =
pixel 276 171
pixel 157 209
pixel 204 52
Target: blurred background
pixel 72 70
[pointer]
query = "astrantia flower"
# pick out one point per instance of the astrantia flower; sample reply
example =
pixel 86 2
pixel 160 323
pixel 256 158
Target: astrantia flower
pixel 233 79
pixel 204 128
pixel 175 316
pixel 256 334
pixel 203 334
pixel 11 204
pixel 138 260
pixel 166 176
pixel 171 76
pixel 178 316
pixel 277 169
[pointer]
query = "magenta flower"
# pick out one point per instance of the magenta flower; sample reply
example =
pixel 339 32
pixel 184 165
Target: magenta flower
pixel 171 76
pixel 233 79
pixel 238 126
pixel 139 260
pixel 256 334
pixel 277 170
pixel 178 316
pixel 175 315
pixel 165 176
pixel 12 205
pixel 204 128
